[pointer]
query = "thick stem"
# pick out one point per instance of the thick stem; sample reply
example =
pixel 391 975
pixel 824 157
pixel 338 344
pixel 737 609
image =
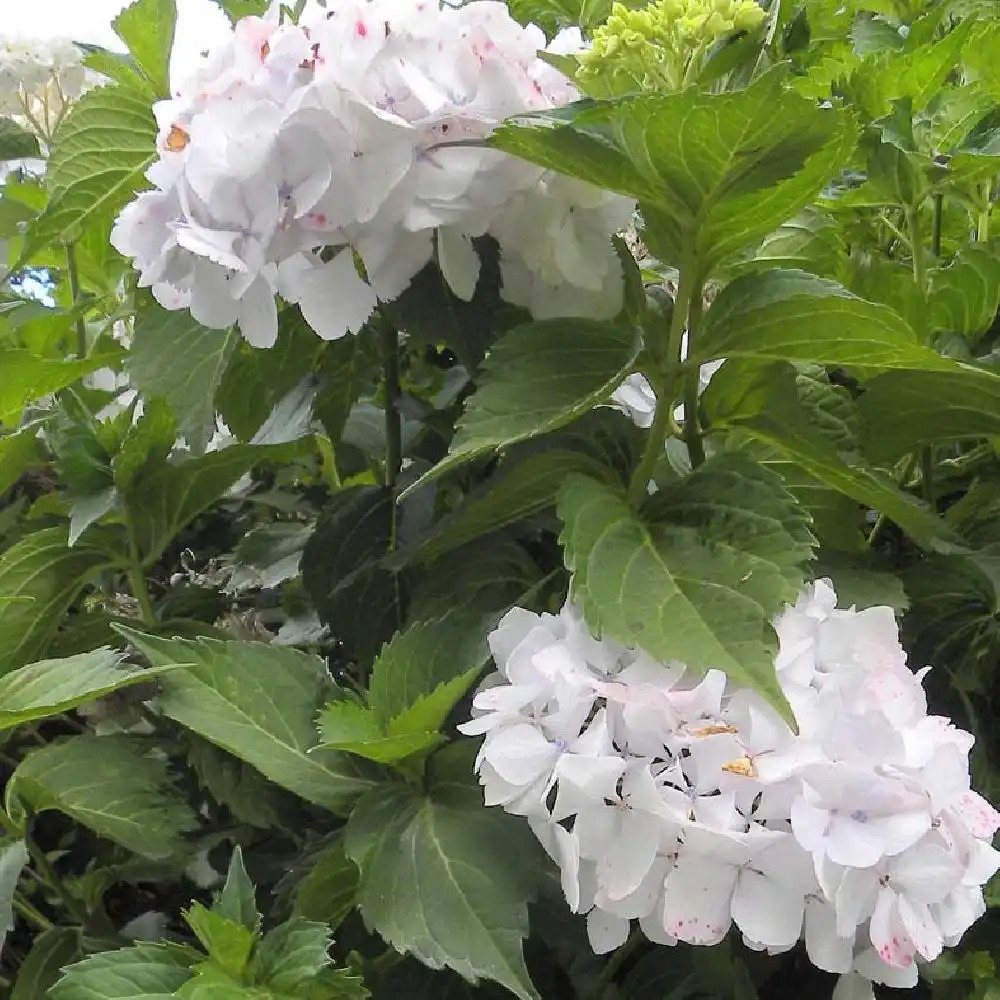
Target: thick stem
pixel 692 382
pixel 136 576
pixel 655 440
pixel 917 250
pixel 983 227
pixel 936 230
pixel 26 910
pixel 74 290
pixel 393 421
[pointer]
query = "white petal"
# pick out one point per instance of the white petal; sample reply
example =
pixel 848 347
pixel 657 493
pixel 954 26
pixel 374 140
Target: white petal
pixel 519 754
pixel 458 261
pixel 258 315
pixel 766 911
pixel 605 931
pixel 827 950
pixel 921 928
pixel 697 899
pixel 888 935
pixel 333 298
pixel 212 304
pixel 853 987
pixel 623 868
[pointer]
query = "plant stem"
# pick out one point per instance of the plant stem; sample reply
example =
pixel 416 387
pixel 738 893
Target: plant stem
pixel 917 250
pixel 927 475
pixel 692 383
pixel 904 478
pixel 136 576
pixel 936 230
pixel 74 290
pixel 30 913
pixel 393 421
pixel 54 883
pixel 983 228
pixel 665 361
pixel 614 964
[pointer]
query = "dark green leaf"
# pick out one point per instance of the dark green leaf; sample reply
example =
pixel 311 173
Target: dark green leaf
pixel 902 410
pixel 328 889
pixel 964 295
pixel 50 952
pixel 537 378
pixel 174 357
pixel 146 445
pixel 16 142
pixel 720 169
pixel 18 452
pixel 671 589
pixel 347 367
pixel 795 316
pixel 258 702
pixel 110 784
pixel 292 955
pixel 13 858
pixel 238 899
pixel 27 377
pixel 443 878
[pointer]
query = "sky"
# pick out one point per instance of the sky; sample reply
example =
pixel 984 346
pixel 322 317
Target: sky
pixel 200 22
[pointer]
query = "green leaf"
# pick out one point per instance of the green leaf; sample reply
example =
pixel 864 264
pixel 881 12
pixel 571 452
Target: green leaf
pixel 343 573
pixel 27 377
pixel 443 878
pixel 762 401
pixel 672 589
pixel 50 952
pixel 714 170
pixel 146 445
pixel 347 367
pixel 18 452
pixel 227 942
pixel 796 316
pixel 164 503
pixel 145 972
pixel 147 29
pixel 237 9
pixel 97 163
pixel 53 686
pixel 422 657
pixel 242 789
pixel 109 784
pixel 903 410
pixel 964 295
pixel 210 982
pixel 357 730
pixel 292 955
pixel 537 378
pixel 176 358
pixel 238 899
pixel 13 858
pixel 16 142
pixel 40 577
pixel 328 889
pixel 258 702
pixel 429 712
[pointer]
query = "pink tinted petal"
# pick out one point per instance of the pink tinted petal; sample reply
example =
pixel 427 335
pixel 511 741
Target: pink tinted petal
pixel 920 927
pixel 697 900
pixel 978 816
pixel 888 935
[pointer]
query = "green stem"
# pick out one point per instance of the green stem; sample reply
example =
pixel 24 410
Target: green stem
pixel 983 228
pixel 393 421
pixel 927 475
pixel 917 250
pixel 663 386
pixel 613 966
pixel 136 576
pixel 41 864
pixel 23 907
pixel 692 383
pixel 74 290
pixel 904 478
pixel 936 230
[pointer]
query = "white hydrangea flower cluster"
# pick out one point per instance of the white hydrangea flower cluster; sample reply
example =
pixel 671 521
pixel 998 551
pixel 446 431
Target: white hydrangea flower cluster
pixel 689 804
pixel 298 148
pixel 39 79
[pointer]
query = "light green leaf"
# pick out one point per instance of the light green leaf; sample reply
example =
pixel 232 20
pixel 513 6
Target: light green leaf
pixel 18 452
pixel 40 577
pixel 672 589
pixel 109 784
pixel 443 878
pixel 423 656
pixel 13 858
pixel 964 295
pixel 50 952
pixel 796 316
pixel 176 358
pixel 238 899
pixel 328 889
pixel 16 142
pixel 537 378
pixel 210 982
pixel 145 972
pixel 258 702
pixel 902 410
pixel 429 712
pixel 718 169
pixel 53 686
pixel 27 377
pixel 227 942
pixel 146 444
pixel 292 955
pixel 356 729
pixel 88 510
pixel 147 29
pixel 237 9
pixel 97 163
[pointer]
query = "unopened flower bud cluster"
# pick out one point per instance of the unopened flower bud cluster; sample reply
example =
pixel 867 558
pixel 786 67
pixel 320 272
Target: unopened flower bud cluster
pixel 687 804
pixel 317 161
